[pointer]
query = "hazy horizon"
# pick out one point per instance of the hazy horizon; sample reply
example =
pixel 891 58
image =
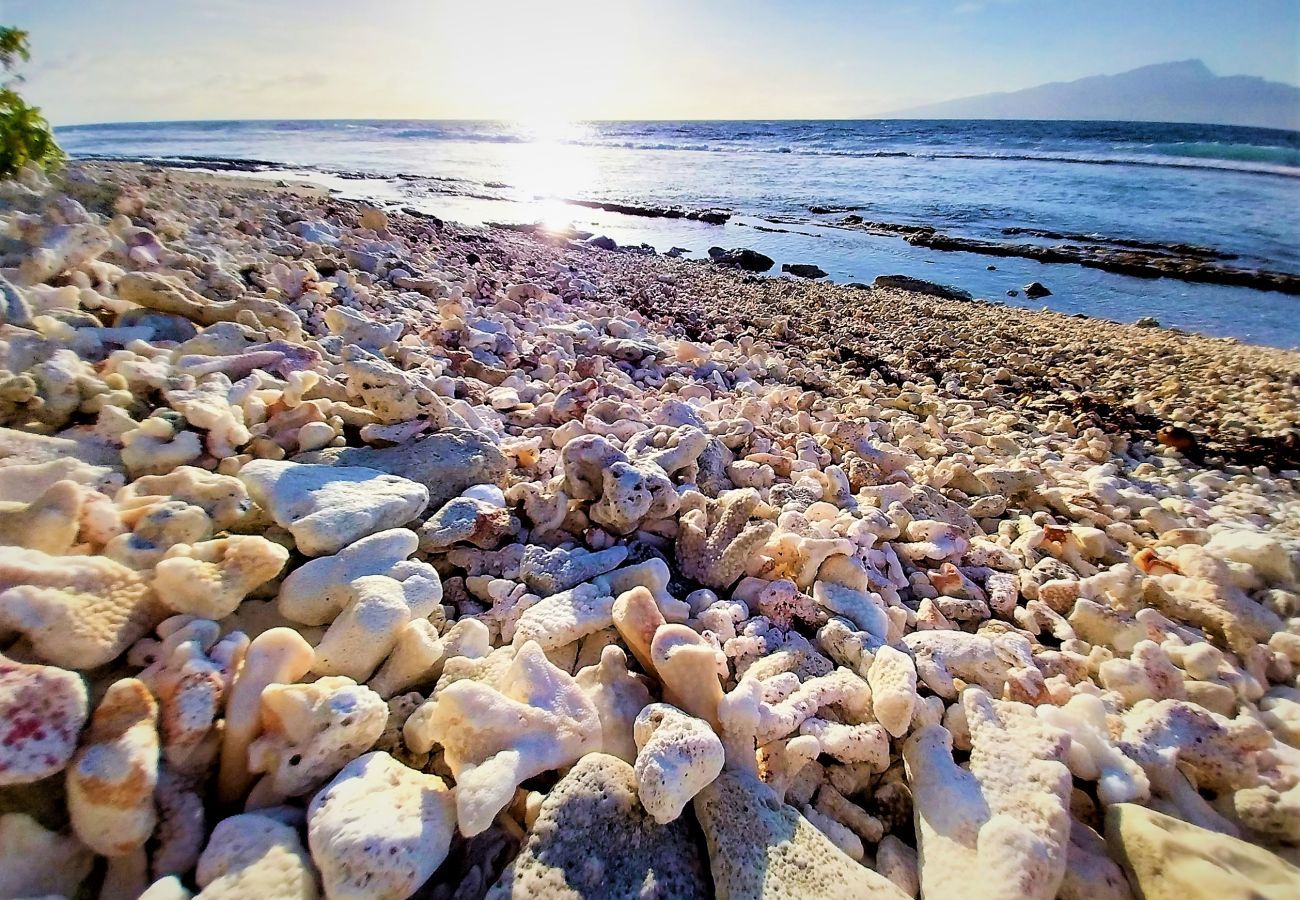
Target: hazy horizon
pixel 779 119
pixel 579 60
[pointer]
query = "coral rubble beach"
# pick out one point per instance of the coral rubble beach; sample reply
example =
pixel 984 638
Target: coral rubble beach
pixel 350 552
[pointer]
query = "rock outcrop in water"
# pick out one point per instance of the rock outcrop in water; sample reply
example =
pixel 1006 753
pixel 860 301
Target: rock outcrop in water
pixel 1139 259
pixel 341 547
pixel 803 270
pixel 741 258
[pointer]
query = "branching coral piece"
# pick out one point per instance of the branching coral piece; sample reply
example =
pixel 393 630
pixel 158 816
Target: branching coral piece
pixel 715 543
pixel 1003 827
pixel 278 655
pixel 533 720
pixel 316 592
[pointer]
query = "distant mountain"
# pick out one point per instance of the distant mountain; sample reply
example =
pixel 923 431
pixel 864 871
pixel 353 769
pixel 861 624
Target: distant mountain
pixel 1167 92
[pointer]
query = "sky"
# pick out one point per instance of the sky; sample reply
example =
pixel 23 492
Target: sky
pixel 152 60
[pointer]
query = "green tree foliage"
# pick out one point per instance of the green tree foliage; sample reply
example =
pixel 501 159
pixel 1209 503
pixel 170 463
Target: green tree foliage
pixel 25 136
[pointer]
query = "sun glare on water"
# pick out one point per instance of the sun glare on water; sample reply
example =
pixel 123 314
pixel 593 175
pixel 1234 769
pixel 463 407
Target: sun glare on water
pixel 552 167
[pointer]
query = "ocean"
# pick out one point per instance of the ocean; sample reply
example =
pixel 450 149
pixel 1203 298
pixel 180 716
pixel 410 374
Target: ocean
pixel 789 186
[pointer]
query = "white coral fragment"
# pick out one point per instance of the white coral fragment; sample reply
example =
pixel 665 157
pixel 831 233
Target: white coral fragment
pixel 380 829
pixel 1002 827
pixel 677 756
pixel 533 720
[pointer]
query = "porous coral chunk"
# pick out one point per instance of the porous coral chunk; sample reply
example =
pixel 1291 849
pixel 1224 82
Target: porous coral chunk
pixel 254 855
pixel 77 611
pixel 211 578
pixel 1002 827
pixel 715 543
pixel 677 755
pixel 309 731
pixel 112 778
pixel 42 709
pixel 379 829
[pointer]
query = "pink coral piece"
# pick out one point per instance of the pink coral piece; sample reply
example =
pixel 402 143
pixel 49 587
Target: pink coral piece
pixel 42 709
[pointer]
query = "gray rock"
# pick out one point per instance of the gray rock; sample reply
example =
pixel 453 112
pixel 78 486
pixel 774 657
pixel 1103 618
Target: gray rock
pixel 1036 289
pixel 1147 322
pixel 921 286
pixel 803 270
pixel 761 848
pixel 593 839
pixel 13 308
pixel 741 258
pixel 366 262
pixel 446 462
pixel 326 508
pixel 551 571
pixel 166 327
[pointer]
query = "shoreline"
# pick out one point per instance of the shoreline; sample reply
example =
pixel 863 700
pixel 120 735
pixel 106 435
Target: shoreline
pixel 1130 257
pixel 1122 354
pixel 385 553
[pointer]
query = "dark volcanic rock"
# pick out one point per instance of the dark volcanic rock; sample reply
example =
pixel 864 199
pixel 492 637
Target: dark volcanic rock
pixel 819 210
pixel 741 258
pixel 1036 289
pixel 803 270
pixel 594 839
pixel 709 216
pixel 602 242
pixel 920 286
pixel 1139 259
